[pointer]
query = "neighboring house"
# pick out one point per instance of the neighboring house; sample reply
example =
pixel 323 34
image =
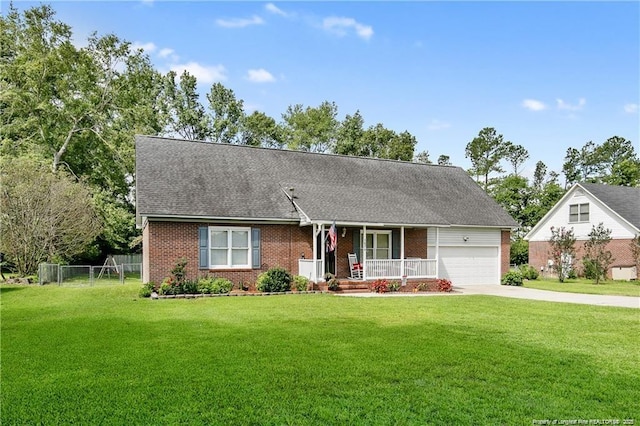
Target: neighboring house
pixel 586 205
pixel 235 211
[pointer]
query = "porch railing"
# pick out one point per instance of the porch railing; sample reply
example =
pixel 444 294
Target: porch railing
pixel 393 268
pixel 311 269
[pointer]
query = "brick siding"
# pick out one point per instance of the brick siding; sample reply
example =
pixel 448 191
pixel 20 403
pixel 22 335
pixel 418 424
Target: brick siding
pixel 620 249
pixel 280 245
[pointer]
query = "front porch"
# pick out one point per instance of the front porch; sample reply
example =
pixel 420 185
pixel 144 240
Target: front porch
pixel 372 269
pixel 383 252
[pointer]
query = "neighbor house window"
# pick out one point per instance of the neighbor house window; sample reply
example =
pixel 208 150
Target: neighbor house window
pixel 378 245
pixel 229 247
pixel 579 212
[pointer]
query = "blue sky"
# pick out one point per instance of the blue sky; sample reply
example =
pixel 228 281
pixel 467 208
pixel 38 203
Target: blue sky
pixel 546 75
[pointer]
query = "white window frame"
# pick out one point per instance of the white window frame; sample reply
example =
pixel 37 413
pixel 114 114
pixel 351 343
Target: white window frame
pixel 229 230
pixel 374 249
pixel 580 213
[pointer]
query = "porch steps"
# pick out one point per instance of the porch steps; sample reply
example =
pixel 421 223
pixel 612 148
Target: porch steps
pixel 354 287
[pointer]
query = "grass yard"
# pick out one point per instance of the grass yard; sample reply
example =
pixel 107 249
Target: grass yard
pixel 101 355
pixel 581 285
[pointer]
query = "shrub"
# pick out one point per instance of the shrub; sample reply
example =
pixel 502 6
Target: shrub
pixel 147 289
pixel 221 286
pixel 179 272
pixel 166 287
pixel 529 272
pixel 274 280
pixel 213 285
pixel 394 286
pixel 189 287
pixel 380 286
pixel 424 286
pixel 590 269
pixel 332 282
pixel 444 285
pixel 512 278
pixel 301 283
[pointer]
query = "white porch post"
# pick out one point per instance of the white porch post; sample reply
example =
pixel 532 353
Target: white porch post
pixel 402 273
pixel 315 252
pixel 322 243
pixel 364 252
pixel 437 252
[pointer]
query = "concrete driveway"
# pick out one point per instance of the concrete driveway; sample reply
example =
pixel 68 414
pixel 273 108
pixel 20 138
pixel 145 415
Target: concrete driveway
pixel 550 296
pixel 522 293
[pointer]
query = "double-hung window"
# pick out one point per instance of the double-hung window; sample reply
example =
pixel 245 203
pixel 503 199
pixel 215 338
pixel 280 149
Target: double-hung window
pixel 579 213
pixel 378 245
pixel 229 247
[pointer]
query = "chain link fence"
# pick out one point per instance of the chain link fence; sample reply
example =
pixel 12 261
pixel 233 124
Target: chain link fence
pixel 83 275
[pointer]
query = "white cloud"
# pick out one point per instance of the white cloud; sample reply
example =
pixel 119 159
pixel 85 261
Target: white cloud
pixel 147 2
pixel 631 108
pixel 260 76
pixel 533 105
pixel 240 22
pixel 569 107
pixel 270 7
pixel 436 124
pixel 203 73
pixel 166 52
pixel 340 25
pixel 147 47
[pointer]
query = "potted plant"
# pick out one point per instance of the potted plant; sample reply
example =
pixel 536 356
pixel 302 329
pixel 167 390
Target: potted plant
pixel 332 282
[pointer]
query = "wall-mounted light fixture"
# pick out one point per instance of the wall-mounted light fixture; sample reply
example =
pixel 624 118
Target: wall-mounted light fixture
pixel 465 238
pixel 344 232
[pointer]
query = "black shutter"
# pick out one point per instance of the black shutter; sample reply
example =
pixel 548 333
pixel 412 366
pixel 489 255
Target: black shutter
pixel 395 244
pixel 356 243
pixel 203 247
pixel 255 248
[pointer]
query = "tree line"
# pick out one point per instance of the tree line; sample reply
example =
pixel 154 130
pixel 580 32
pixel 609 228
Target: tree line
pixel 68 116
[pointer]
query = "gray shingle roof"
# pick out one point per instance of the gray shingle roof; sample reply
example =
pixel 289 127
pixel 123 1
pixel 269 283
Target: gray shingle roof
pixel 623 200
pixel 199 179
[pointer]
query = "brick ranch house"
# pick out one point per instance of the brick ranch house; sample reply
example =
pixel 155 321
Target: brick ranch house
pixel 582 207
pixel 236 211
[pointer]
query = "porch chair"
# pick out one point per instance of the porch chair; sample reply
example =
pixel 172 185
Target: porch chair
pixel 354 266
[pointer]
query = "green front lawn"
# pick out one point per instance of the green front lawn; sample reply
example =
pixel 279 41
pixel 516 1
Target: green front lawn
pixel 581 285
pixel 101 355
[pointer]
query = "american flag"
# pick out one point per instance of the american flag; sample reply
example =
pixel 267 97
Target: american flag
pixel 332 243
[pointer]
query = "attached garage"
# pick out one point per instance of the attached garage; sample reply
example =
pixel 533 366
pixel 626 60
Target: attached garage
pixel 468 256
pixel 470 265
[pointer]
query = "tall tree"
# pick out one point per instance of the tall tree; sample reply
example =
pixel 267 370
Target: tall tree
pixel 444 160
pixel 400 147
pixel 227 114
pixel 513 194
pixel 580 165
pixel 311 129
pixel 516 155
pixel 183 113
pixel 423 157
pixel 76 108
pixel 486 151
pixel 45 215
pixel 261 130
pixel 614 162
pixel 349 136
pixel 374 139
pixel 619 164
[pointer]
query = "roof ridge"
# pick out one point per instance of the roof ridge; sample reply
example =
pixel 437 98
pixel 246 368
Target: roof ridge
pixel 294 151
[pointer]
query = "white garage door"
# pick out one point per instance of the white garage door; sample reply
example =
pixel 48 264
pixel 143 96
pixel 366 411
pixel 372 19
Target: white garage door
pixel 470 265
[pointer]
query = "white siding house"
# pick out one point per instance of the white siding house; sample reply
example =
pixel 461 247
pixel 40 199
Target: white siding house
pixel 583 207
